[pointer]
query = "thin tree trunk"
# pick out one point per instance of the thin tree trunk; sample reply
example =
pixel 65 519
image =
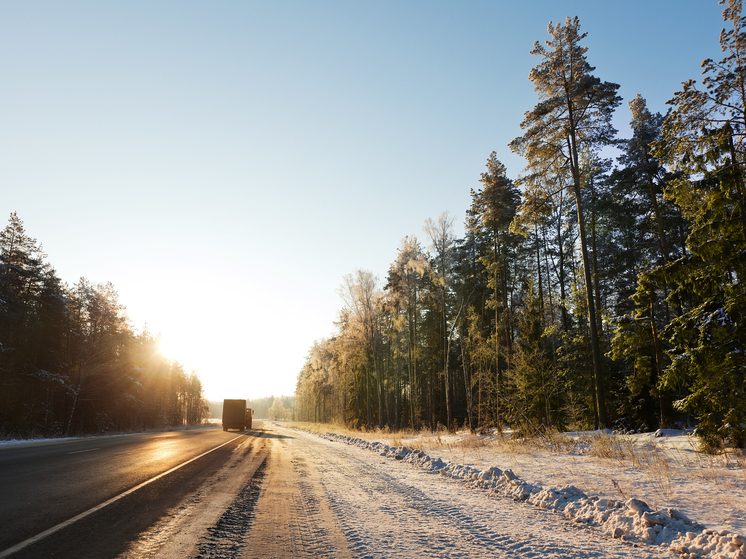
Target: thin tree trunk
pixel 596 287
pixel 595 346
pixel 563 293
pixel 447 374
pixel 498 378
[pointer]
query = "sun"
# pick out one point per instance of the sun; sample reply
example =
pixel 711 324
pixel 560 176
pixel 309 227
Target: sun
pixel 179 348
pixel 167 348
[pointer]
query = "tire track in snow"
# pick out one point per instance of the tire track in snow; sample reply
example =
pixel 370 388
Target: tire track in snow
pixel 224 540
pixel 434 527
pixel 388 508
pixel 292 517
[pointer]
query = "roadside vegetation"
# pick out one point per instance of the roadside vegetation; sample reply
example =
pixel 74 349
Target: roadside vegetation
pixel 589 292
pixel 71 362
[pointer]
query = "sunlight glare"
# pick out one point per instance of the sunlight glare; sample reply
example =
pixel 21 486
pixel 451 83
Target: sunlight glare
pixel 168 348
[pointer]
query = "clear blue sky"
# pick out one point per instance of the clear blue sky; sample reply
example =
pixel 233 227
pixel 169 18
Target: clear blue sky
pixel 225 164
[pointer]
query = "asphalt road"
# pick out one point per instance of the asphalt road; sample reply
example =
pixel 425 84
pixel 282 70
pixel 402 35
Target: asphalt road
pixel 45 484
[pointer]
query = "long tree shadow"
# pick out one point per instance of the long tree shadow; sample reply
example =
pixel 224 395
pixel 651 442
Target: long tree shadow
pixel 266 434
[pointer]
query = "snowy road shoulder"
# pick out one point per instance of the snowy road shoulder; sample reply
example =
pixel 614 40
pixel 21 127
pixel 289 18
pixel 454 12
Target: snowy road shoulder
pixel 631 520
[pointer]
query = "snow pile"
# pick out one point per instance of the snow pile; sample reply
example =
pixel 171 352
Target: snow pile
pixel 631 520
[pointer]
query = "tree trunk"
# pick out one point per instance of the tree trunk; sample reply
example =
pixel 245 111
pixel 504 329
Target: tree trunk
pixel 596 287
pixel 498 374
pixel 447 364
pixel 595 346
pixel 563 293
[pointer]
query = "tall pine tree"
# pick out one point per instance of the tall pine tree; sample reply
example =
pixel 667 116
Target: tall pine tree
pixel 573 117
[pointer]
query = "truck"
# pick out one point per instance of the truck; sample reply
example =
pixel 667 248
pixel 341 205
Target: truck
pixel 236 415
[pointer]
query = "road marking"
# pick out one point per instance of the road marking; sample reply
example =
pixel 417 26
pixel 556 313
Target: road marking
pixel 87 450
pixel 66 523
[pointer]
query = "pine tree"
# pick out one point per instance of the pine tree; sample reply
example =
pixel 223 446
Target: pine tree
pixel 22 269
pixel 532 377
pixel 649 235
pixel 29 313
pixel 573 117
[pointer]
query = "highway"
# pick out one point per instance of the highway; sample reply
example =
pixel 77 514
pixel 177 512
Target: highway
pixel 48 483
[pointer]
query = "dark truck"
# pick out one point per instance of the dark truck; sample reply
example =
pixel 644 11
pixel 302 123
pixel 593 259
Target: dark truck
pixel 236 415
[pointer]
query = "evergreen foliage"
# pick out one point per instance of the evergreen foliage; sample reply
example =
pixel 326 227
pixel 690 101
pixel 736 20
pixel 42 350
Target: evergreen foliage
pixel 70 362
pixel 571 120
pixel 589 292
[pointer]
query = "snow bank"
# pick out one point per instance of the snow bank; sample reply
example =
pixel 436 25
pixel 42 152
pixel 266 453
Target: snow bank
pixel 631 520
pixel 29 441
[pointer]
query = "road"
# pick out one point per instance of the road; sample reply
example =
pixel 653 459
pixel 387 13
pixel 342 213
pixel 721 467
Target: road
pixel 272 492
pixel 45 484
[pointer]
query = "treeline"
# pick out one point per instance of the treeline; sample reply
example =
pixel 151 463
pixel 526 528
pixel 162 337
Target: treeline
pixel 589 292
pixel 70 362
pixel 273 407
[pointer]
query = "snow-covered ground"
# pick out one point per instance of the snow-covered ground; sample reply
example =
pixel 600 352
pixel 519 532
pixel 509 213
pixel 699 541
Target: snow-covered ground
pixel 652 489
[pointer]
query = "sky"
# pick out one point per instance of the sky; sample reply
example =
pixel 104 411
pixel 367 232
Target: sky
pixel 225 164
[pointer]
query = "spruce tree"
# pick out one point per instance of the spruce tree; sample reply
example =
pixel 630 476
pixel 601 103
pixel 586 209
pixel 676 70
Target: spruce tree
pixel 703 138
pixel 493 209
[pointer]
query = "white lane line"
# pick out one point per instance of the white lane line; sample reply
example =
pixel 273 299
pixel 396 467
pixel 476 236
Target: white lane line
pixel 87 450
pixel 82 515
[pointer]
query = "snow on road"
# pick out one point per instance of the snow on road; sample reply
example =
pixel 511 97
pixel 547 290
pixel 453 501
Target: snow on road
pixel 387 507
pixel 651 531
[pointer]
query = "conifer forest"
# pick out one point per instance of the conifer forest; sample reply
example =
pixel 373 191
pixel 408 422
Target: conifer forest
pixel 70 361
pixel 591 291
